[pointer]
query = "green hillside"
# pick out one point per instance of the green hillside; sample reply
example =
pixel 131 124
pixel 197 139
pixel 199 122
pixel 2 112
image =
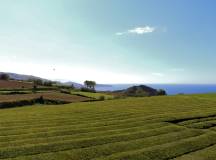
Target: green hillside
pixel 156 128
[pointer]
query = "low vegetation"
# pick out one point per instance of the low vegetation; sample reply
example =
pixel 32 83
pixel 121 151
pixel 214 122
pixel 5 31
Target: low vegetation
pixel 93 95
pixel 141 91
pixel 14 100
pixel 151 128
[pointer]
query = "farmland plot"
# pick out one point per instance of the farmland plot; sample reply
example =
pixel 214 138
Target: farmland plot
pixel 156 128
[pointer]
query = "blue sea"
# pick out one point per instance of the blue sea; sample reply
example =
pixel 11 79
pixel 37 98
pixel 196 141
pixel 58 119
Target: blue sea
pixel 171 89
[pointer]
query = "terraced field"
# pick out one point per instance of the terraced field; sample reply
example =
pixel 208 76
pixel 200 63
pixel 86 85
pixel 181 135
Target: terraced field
pixel 13 84
pixel 92 95
pixel 46 95
pixel 156 128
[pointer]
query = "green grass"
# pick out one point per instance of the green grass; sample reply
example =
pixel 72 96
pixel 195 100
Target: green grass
pixel 156 128
pixel 92 95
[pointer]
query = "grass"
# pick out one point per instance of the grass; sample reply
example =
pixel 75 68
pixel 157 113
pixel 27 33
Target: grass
pixel 93 95
pixel 15 100
pixel 154 128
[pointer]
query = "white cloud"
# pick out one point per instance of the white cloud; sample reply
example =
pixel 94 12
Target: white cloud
pixel 138 30
pixel 157 74
pixel 142 30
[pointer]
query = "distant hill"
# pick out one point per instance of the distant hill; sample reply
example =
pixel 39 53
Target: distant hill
pixel 22 77
pixel 69 83
pixel 140 91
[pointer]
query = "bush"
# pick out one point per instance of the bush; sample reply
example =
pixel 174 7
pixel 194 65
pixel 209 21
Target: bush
pixel 162 92
pixel 34 89
pixel 47 83
pixel 5 77
pixel 101 98
pixel 87 90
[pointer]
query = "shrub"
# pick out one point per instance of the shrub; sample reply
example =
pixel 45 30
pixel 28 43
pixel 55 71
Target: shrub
pixel 47 83
pixel 34 89
pixel 5 77
pixel 161 92
pixel 87 90
pixel 101 98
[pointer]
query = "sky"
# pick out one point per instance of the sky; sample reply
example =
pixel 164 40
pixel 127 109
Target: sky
pixel 110 41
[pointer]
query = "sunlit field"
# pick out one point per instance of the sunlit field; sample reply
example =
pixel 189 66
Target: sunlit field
pixel 172 127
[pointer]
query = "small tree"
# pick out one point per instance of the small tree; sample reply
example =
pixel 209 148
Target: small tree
pixel 4 77
pixel 72 86
pixel 34 89
pixel 90 84
pixel 161 92
pixel 38 82
pixel 47 83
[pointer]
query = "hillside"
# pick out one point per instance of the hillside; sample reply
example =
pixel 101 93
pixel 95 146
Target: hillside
pixel 23 77
pixel 139 91
pixel 15 84
pixel 152 128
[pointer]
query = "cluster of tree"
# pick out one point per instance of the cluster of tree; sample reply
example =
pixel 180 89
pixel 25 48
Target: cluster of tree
pixel 5 77
pixel 89 86
pixel 161 92
pixel 40 82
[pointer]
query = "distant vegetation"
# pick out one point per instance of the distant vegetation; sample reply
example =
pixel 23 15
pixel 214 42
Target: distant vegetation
pixel 89 86
pixel 26 92
pixel 4 77
pixel 141 91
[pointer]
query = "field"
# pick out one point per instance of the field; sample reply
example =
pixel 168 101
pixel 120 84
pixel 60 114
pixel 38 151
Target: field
pixel 15 85
pixel 46 95
pixel 156 128
pixel 93 95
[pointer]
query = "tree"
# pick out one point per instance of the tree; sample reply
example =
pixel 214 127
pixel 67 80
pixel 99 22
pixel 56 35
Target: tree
pixel 5 77
pixel 34 89
pixel 38 82
pixel 161 92
pixel 90 84
pixel 47 83
pixel 72 86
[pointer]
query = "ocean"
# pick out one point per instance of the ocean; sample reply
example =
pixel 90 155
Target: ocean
pixel 171 89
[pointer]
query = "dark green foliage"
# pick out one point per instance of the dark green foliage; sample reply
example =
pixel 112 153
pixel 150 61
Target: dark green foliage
pixel 140 91
pixel 101 98
pixel 38 82
pixel 34 89
pixel 90 84
pixel 72 86
pixel 47 83
pixel 161 92
pixel 4 77
pixel 39 100
pixel 84 89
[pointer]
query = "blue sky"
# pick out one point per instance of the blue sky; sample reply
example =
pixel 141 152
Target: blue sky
pixel 110 41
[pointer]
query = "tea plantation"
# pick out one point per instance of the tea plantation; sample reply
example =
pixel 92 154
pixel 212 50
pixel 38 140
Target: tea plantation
pixel 157 128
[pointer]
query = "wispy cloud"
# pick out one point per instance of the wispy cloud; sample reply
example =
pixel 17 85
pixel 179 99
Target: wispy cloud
pixel 157 74
pixel 138 31
pixel 142 30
